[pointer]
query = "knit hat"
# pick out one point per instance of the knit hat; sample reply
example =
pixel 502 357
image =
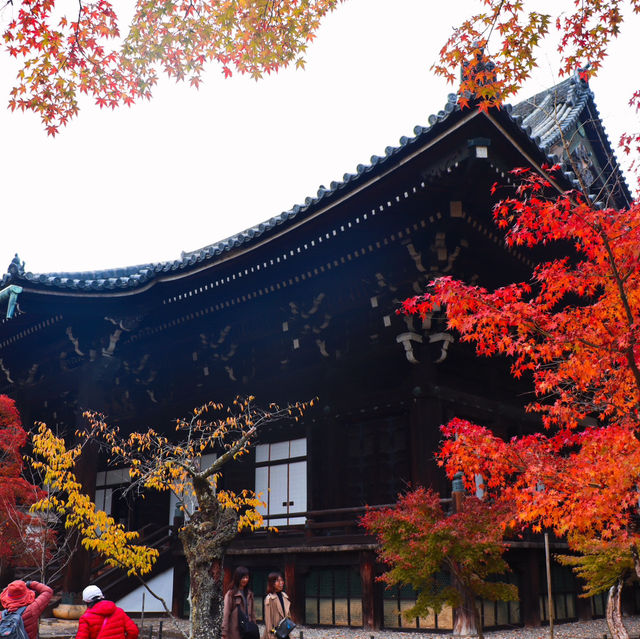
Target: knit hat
pixel 92 593
pixel 16 595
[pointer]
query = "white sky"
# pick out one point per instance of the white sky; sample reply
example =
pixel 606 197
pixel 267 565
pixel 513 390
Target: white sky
pixel 192 167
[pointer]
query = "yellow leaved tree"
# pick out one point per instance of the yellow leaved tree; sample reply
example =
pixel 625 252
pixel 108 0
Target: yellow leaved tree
pixel 98 531
pixel 167 463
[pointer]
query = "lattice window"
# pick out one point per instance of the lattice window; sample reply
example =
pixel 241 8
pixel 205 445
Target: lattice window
pixel 563 588
pixel 333 597
pixel 400 598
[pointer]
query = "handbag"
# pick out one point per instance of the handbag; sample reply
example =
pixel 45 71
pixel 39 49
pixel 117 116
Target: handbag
pixel 284 628
pixel 248 629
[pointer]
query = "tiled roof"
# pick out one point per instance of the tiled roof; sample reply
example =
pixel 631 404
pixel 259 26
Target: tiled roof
pixel 552 114
pixel 536 117
pixel 549 114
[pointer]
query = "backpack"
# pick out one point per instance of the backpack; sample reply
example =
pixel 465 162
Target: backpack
pixel 12 626
pixel 248 629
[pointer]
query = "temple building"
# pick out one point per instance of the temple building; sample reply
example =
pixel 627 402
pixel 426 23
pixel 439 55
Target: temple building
pixel 302 306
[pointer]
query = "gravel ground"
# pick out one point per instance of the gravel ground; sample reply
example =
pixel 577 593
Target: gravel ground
pixel 595 629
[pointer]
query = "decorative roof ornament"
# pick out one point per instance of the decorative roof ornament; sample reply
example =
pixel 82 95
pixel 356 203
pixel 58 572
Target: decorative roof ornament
pixel 16 267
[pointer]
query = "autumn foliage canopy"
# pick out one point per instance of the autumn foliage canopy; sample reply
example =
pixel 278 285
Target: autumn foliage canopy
pixel 16 493
pixel 85 52
pixel 88 50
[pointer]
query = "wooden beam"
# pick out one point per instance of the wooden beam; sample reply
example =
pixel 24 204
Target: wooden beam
pixel 294 589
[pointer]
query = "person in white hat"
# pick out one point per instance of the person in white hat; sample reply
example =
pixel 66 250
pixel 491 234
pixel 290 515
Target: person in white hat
pixel 103 619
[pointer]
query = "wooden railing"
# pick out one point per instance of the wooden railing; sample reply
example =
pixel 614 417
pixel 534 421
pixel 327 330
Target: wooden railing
pixel 337 521
pixel 327 522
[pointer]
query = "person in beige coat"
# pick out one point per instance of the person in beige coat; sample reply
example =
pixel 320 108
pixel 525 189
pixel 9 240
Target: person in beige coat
pixel 276 604
pixel 238 596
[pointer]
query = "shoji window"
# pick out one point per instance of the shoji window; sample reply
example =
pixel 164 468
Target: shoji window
pixel 281 477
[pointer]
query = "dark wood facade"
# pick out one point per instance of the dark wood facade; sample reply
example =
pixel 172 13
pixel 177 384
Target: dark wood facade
pixel 305 306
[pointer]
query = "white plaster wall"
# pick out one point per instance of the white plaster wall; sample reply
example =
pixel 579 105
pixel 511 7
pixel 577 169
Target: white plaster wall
pixel 161 585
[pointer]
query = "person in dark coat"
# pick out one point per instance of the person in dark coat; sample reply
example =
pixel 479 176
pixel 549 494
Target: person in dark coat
pixel 105 618
pixel 32 594
pixel 276 604
pixel 238 596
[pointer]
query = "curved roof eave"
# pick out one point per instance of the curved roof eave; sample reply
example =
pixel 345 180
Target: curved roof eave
pixel 527 119
pixel 125 281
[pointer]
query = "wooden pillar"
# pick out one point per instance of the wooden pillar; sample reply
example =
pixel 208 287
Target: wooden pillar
pixel 294 588
pixel 93 381
pixel 334 494
pixel 367 575
pixel 425 418
pixel 628 602
pixel 311 465
pixel 378 603
pixel 457 493
pixel 529 588
pixel 77 573
pixel 464 615
pixel 416 428
pixel 227 578
pixel 583 608
pixel 324 490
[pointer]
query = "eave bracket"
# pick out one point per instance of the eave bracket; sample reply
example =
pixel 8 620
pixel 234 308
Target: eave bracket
pixel 11 293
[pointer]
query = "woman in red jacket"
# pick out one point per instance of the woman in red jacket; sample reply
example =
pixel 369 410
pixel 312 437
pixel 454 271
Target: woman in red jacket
pixel 32 594
pixel 104 618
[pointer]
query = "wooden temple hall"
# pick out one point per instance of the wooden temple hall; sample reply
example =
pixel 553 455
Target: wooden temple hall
pixel 304 305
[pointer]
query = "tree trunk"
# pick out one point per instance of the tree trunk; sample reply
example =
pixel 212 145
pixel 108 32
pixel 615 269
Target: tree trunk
pixel 205 538
pixel 205 602
pixel 465 616
pixel 614 614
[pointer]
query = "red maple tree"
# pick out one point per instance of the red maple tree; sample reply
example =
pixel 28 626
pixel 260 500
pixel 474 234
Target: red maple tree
pixel 16 493
pixel 448 559
pixel 574 328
